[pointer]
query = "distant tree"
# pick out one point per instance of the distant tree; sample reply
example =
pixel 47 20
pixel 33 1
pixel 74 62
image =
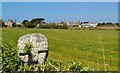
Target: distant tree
pixel 2 23
pixel 75 25
pixel 103 23
pixel 62 22
pixel 99 24
pixel 65 26
pixel 29 25
pixel 37 21
pixel 118 24
pixel 109 23
pixel 14 24
pixel 25 22
pixel 18 25
pixel 106 24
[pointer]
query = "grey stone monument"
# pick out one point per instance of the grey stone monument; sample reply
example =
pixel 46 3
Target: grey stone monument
pixel 39 51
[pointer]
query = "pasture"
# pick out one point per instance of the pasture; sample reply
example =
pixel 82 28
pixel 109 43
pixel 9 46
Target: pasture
pixel 97 49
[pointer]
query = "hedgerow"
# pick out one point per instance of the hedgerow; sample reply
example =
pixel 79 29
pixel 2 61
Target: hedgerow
pixel 11 62
pixel 53 26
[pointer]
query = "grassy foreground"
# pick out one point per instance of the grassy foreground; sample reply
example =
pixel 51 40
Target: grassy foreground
pixel 89 47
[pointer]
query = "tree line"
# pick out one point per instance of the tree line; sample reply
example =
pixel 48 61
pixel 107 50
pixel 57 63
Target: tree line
pixel 108 24
pixel 36 22
pixel 39 23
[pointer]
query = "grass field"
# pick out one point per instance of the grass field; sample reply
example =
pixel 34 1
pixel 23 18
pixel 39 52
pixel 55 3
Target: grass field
pixel 89 47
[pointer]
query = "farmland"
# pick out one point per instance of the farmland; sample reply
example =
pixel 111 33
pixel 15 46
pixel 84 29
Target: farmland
pixel 89 47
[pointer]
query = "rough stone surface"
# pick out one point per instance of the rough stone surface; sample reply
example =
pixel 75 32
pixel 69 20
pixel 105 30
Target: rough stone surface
pixel 39 42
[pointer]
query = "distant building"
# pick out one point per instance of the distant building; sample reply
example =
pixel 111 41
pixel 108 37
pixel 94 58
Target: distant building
pixel 18 23
pixel 72 23
pixel 88 24
pixel 9 23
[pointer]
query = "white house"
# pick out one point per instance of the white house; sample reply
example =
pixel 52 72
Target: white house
pixel 88 24
pixel 9 23
pixel 72 23
pixel 18 23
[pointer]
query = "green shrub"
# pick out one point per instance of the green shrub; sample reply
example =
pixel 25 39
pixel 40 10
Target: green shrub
pixel 11 62
pixel 54 26
pixel 65 26
pixel 77 67
pixel 18 25
pixel 27 48
pixel 29 25
pixel 14 25
pixel 45 26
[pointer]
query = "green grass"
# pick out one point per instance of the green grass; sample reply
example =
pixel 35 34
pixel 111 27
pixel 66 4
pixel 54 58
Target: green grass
pixel 82 46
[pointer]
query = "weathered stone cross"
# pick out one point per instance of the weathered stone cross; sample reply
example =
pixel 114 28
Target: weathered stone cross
pixel 33 48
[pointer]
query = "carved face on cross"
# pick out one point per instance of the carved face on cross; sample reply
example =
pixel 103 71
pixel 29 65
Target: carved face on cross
pixel 37 52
